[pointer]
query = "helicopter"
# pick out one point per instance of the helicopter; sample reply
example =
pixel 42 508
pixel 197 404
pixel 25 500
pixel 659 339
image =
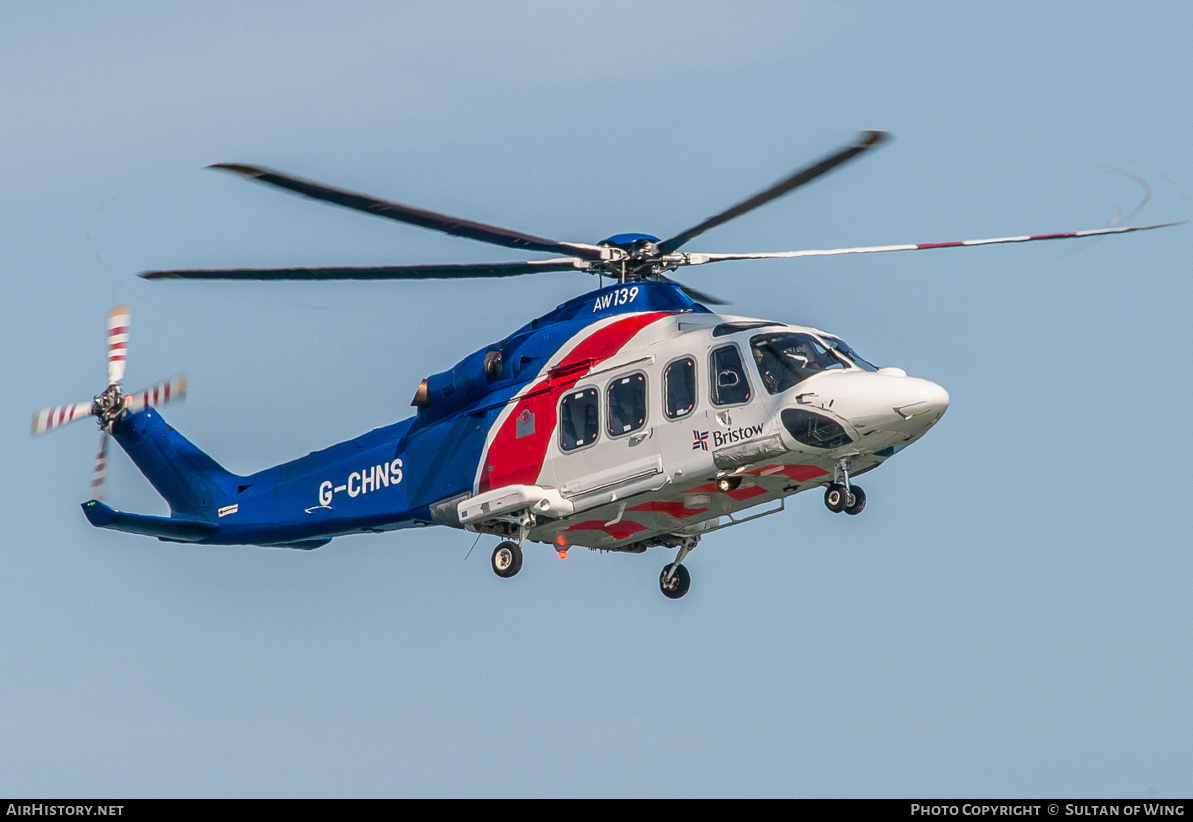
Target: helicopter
pixel 630 417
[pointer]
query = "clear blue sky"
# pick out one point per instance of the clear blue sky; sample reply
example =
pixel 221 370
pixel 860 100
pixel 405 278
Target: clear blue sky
pixel 1011 615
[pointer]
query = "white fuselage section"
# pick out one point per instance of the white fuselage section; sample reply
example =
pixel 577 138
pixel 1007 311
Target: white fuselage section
pixel 643 437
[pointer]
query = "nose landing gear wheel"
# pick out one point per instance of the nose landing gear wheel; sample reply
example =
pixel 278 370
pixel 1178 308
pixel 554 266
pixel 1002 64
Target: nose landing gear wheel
pixel 679 583
pixel 507 559
pixel 836 498
pixel 859 502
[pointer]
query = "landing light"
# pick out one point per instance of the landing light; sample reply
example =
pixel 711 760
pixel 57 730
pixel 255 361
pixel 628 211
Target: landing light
pixel 727 484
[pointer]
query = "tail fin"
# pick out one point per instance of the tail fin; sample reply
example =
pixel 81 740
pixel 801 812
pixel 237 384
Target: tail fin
pixel 194 485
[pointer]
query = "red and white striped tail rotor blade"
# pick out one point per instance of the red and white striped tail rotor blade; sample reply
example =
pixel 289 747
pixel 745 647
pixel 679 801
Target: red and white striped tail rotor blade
pixel 171 389
pixel 49 418
pixel 99 477
pixel 117 343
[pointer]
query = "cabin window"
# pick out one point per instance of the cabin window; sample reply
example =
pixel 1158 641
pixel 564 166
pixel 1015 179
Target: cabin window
pixel 729 383
pixel 679 388
pixel 627 404
pixel 787 359
pixel 578 421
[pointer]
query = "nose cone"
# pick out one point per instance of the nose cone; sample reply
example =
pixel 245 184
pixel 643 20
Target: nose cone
pixel 921 398
pixel 919 406
pixel 940 399
pixel 887 408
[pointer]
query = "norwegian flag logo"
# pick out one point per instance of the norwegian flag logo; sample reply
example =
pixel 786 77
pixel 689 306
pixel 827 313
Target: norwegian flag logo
pixel 701 441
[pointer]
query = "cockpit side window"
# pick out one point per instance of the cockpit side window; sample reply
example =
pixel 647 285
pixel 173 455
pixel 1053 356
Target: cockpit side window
pixel 579 424
pixel 786 359
pixel 627 404
pixel 728 377
pixel 679 388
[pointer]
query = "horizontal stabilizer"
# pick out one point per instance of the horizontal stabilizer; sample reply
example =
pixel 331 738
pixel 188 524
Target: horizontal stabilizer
pixel 168 528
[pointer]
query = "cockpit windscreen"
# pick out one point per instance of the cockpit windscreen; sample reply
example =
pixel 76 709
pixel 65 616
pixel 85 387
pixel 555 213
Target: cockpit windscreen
pixel 785 359
pixel 842 348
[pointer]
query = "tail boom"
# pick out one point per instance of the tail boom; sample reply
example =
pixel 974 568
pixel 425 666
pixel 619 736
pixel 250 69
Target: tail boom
pixel 353 487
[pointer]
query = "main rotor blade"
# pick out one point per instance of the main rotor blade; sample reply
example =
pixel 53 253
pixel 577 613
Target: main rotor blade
pixel 699 259
pixel 49 418
pixel 384 272
pixel 695 293
pixel 166 390
pixel 118 319
pixel 414 216
pixel 865 140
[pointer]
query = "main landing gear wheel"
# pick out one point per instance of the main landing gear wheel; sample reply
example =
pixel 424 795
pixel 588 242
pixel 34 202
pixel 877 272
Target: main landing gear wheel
pixel 679 583
pixel 507 559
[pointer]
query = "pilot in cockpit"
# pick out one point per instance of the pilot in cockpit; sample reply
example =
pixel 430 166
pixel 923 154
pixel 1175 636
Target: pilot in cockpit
pixel 787 359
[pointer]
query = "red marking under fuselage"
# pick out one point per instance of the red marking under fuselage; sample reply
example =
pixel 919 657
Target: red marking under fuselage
pixel 618 530
pixel 799 473
pixel 748 492
pixel 672 509
pixel 738 494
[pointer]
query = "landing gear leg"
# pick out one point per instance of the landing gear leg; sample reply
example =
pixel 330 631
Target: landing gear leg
pixel 507 557
pixel 859 501
pixel 675 580
pixel 844 496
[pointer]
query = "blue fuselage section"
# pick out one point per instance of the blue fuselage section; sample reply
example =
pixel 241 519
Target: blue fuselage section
pixel 387 479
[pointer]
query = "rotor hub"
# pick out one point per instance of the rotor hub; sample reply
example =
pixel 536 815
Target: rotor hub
pixel 110 406
pixel 640 260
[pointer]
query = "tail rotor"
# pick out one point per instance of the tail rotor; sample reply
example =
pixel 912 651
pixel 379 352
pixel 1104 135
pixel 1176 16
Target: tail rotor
pixel 99 475
pixel 112 403
pixel 49 418
pixel 166 390
pixel 117 343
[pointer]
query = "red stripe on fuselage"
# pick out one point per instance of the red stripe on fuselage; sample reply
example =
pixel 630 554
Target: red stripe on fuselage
pixel 617 530
pixel 511 460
